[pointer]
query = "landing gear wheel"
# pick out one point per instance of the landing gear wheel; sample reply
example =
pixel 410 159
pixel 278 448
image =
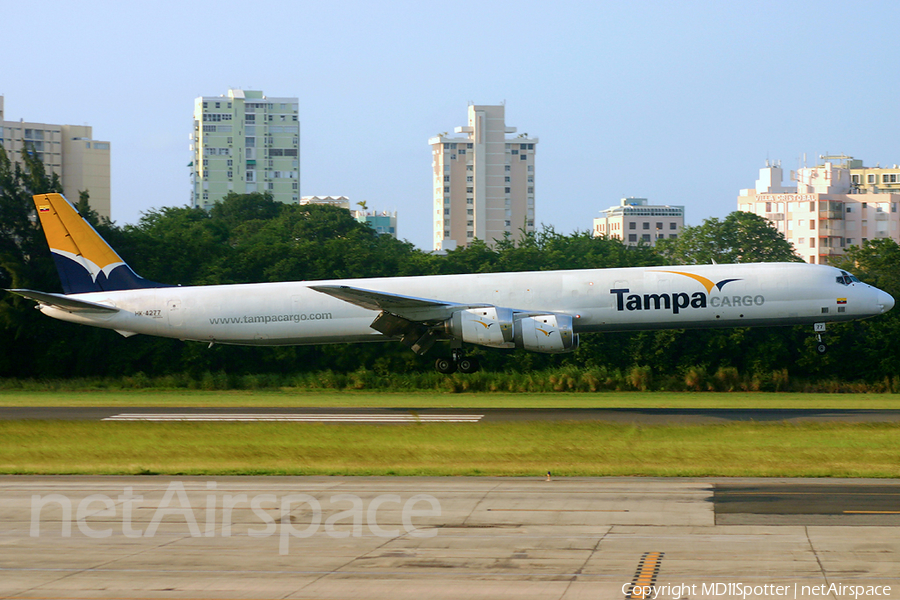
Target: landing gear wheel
pixel 821 348
pixel 445 365
pixel 468 365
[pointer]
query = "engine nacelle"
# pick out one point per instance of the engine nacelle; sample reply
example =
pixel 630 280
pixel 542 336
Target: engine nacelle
pixel 490 326
pixel 502 328
pixel 552 334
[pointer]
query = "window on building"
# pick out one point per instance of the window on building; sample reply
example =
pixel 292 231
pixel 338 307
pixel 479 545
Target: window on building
pixel 645 225
pixel 506 190
pixel 524 157
pixel 870 179
pixel 507 167
pixel 632 225
pixel 645 237
pixel 673 225
pixel 632 237
pixel 659 226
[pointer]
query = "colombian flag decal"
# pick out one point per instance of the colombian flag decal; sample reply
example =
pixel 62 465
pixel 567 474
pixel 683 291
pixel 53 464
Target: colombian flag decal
pixel 842 301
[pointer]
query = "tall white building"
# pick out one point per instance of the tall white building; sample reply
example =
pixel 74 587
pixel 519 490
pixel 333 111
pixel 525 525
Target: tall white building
pixel 834 205
pixel 245 142
pixel 483 181
pixel 69 151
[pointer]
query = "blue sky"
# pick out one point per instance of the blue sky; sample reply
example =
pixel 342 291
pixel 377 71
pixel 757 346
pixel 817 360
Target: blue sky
pixel 679 102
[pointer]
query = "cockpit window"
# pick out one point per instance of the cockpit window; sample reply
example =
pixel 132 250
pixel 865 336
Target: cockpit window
pixel 846 278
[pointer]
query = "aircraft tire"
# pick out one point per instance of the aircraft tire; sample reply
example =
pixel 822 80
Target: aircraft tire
pixel 468 365
pixel 445 365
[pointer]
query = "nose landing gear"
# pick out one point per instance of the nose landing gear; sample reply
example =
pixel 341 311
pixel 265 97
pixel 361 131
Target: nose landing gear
pixel 819 328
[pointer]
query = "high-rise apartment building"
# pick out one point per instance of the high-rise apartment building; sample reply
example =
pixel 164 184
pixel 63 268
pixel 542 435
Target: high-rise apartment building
pixel 483 181
pixel 834 205
pixel 245 142
pixel 69 151
pixel 636 222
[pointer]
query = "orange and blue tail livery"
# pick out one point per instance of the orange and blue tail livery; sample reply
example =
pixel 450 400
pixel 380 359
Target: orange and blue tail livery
pixel 85 262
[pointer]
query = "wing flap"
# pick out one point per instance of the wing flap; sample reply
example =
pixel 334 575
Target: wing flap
pixel 408 307
pixel 65 303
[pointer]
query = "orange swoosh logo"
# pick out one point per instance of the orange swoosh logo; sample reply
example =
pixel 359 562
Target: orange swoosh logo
pixel 709 285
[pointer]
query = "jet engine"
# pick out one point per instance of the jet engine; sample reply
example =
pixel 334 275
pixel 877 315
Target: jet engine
pixel 504 328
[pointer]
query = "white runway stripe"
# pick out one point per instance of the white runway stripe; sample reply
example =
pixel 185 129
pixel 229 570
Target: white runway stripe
pixel 298 417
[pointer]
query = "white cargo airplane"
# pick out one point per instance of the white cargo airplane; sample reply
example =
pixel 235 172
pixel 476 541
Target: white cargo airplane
pixel 543 311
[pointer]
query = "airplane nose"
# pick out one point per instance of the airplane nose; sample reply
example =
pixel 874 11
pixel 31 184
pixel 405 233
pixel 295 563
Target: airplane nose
pixel 885 301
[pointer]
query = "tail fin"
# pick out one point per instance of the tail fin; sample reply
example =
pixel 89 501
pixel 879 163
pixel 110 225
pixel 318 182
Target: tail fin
pixel 85 262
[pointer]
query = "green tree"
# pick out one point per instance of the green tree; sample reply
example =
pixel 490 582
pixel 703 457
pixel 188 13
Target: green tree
pixel 741 237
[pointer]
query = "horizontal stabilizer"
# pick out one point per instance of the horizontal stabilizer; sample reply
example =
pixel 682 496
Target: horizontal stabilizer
pixel 65 303
pixel 414 309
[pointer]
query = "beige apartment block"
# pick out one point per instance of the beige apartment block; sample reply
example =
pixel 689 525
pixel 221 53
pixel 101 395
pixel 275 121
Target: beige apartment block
pixel 483 181
pixel 245 142
pixel 635 222
pixel 831 208
pixel 69 151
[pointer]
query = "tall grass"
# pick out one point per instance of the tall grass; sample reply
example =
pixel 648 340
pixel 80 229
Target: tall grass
pixel 568 379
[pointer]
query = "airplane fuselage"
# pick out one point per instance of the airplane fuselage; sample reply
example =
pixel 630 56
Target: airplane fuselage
pixel 640 298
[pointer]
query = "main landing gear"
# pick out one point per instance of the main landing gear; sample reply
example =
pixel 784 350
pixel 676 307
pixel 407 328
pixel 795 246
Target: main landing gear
pixel 819 328
pixel 456 362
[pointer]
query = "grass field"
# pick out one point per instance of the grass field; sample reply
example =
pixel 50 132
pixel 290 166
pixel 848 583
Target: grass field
pixel 420 399
pixel 511 448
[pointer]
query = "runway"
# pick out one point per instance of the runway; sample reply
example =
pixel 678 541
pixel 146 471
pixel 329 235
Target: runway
pixel 399 538
pixel 646 416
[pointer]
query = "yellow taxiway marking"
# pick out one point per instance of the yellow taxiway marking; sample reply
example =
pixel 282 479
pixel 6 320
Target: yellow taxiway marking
pixel 872 512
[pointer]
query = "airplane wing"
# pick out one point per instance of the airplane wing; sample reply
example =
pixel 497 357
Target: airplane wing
pixel 65 303
pixel 407 307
